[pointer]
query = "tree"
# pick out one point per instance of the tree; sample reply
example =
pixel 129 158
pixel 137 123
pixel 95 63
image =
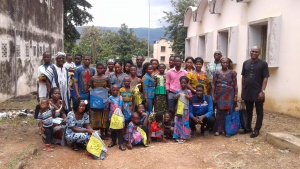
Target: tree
pixel 176 32
pixel 75 14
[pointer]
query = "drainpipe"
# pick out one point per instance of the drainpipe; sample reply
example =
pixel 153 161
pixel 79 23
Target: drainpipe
pixel 15 66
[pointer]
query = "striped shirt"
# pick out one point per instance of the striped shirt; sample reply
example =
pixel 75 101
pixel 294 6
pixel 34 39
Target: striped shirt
pixel 46 118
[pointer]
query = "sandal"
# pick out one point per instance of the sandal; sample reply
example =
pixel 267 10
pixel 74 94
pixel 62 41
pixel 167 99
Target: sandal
pixel 74 146
pixel 122 147
pixel 111 144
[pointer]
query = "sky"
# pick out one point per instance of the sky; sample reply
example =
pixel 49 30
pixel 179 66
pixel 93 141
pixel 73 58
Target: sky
pixel 134 13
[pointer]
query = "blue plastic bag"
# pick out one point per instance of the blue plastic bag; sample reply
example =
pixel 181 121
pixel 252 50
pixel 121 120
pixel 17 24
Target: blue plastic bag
pixel 232 123
pixel 98 97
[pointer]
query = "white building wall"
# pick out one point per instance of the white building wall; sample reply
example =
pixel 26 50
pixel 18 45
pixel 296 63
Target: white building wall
pixel 282 94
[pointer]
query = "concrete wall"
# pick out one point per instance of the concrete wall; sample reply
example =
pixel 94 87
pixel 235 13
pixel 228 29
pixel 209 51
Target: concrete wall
pixel 157 53
pixel 282 93
pixel 28 28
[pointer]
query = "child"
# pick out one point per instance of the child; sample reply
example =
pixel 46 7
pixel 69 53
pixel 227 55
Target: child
pixel 99 116
pixel 181 128
pixel 70 66
pixel 160 100
pixel 143 123
pixel 155 125
pixel 168 125
pixel 148 84
pixel 46 124
pixel 127 94
pixel 115 101
pixel 133 135
pixel 127 66
pixel 134 79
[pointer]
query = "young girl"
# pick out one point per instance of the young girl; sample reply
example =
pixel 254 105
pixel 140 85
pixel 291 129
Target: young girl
pixel 133 136
pixel 127 94
pixel 181 128
pixel 115 101
pixel 160 99
pixel 148 84
pixel 58 105
pixel 99 116
pixel 46 124
pixel 154 63
pixel 134 79
pixel 168 125
pixel 127 66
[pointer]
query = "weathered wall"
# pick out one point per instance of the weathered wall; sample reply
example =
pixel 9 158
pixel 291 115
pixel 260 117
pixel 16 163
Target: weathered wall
pixel 282 93
pixel 28 28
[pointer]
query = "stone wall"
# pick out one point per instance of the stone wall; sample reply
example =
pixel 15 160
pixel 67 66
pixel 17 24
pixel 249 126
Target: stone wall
pixel 28 28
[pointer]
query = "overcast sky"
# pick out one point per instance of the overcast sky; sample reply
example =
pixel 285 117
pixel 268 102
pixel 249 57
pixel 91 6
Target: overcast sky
pixel 134 13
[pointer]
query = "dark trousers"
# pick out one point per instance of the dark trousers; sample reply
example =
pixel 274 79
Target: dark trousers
pixel 208 122
pixel 48 133
pixel 259 106
pixel 117 134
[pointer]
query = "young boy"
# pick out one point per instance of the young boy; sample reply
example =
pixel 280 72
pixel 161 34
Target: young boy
pixel 70 66
pixel 46 124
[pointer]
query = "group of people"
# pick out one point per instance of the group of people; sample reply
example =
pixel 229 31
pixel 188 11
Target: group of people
pixel 165 102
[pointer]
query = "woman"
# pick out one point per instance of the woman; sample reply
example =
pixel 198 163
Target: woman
pixel 189 64
pixel 154 63
pixel 118 76
pixel 224 93
pixel 198 76
pixel 58 128
pixel 148 84
pixel 78 124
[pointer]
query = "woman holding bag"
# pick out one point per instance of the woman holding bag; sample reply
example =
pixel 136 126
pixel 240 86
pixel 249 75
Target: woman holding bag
pixel 224 93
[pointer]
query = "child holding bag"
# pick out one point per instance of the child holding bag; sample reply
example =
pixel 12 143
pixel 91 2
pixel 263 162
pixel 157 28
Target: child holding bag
pixel 181 128
pixel 115 102
pixel 134 134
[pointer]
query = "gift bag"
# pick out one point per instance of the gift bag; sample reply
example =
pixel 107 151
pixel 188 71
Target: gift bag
pixel 243 115
pixel 96 147
pixel 117 120
pixel 182 104
pixel 138 95
pixel 232 122
pixel 143 133
pixel 98 97
pixel 156 132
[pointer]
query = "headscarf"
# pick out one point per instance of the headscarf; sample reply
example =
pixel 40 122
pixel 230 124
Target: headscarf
pixel 60 54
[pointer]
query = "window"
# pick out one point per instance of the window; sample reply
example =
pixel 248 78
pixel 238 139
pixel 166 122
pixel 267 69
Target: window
pixel 223 42
pixel 4 50
pixel 258 37
pixel 163 49
pixel 201 46
pixel 187 47
pixel 162 58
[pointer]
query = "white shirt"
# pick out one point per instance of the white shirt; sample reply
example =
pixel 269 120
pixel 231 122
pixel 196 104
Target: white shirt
pixel 69 65
pixel 42 85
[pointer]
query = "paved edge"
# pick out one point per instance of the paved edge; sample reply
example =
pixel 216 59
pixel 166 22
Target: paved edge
pixel 284 141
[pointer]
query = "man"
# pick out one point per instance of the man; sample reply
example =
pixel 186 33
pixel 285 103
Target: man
pixel 214 65
pixel 255 75
pixel 82 77
pixel 78 59
pixel 41 83
pixel 57 76
pixel 201 111
pixel 173 83
pixel 139 70
pixel 171 62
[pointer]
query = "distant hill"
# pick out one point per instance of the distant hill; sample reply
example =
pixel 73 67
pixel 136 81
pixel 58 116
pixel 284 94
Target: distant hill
pixel 155 33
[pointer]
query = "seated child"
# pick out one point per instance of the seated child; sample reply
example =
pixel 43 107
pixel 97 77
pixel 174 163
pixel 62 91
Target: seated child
pixel 46 124
pixel 143 117
pixel 168 125
pixel 156 127
pixel 133 134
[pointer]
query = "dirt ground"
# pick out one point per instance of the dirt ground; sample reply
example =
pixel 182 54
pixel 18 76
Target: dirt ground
pixel 21 146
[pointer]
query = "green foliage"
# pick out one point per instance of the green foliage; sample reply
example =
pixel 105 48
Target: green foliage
pixel 104 44
pixel 175 30
pixel 75 14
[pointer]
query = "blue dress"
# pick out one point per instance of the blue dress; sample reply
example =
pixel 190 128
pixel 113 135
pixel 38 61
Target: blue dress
pixel 148 83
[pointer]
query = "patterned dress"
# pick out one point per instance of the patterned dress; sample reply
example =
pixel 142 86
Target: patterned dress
pixel 148 83
pixel 224 95
pixel 135 135
pixel 160 100
pixel 99 117
pixel 72 136
pixel 117 80
pixel 113 103
pixel 196 79
pixel 128 97
pixel 181 127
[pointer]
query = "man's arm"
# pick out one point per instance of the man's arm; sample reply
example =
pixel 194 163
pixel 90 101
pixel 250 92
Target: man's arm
pixel 168 82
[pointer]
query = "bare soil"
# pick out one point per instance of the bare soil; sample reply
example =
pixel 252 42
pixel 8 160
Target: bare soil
pixel 239 151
